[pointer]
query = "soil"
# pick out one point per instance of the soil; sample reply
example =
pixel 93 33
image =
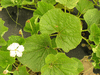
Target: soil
pixel 82 51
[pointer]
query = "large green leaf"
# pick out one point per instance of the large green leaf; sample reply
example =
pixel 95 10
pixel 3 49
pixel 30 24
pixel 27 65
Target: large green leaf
pixel 6 3
pixel 15 39
pixel 2 42
pixel 32 26
pixel 84 5
pixel 68 3
pixel 94 34
pixel 5 59
pixel 66 25
pixel 80 65
pixel 60 64
pixel 21 71
pixel 37 47
pixel 92 16
pixel 43 7
pixel 49 1
pixel 3 29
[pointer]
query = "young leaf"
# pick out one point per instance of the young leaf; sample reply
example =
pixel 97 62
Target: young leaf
pixel 5 59
pixel 60 64
pixel 84 5
pixel 16 39
pixel 43 7
pixel 3 29
pixel 68 3
pixel 94 34
pixel 49 1
pixel 37 47
pixel 96 60
pixel 21 71
pixel 92 16
pixel 66 25
pixel 32 26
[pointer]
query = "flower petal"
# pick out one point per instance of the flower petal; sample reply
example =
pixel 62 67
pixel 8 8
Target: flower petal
pixel 12 53
pixel 20 48
pixel 19 54
pixel 13 46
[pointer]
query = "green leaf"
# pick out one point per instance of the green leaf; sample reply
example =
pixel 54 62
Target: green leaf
pixel 43 7
pixel 84 5
pixel 32 26
pixel 92 16
pixel 94 34
pixel 16 39
pixel 2 42
pixel 49 1
pixel 68 3
pixel 6 3
pixel 96 60
pixel 66 25
pixel 3 29
pixel 53 43
pixel 21 71
pixel 60 64
pixel 5 59
pixel 37 47
pixel 80 65
pixel 1 70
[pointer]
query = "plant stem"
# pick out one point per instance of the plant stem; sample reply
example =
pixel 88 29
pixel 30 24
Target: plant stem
pixel 95 2
pixel 65 9
pixel 84 30
pixel 86 40
pixel 17 16
pixel 27 8
pixel 12 18
pixel 81 19
pixel 7 66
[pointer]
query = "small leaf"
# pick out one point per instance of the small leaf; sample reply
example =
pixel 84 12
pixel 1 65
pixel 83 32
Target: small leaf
pixel 84 5
pixel 60 64
pixel 96 61
pixel 94 34
pixel 5 59
pixel 66 25
pixel 32 26
pixel 21 71
pixel 15 39
pixel 68 3
pixel 43 7
pixel 49 1
pixel 37 47
pixel 92 16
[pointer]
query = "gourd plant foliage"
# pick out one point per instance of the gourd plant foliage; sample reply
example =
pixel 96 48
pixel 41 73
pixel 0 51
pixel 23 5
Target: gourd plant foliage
pixel 41 51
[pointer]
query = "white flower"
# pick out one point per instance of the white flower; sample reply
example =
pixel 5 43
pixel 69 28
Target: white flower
pixel 15 49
